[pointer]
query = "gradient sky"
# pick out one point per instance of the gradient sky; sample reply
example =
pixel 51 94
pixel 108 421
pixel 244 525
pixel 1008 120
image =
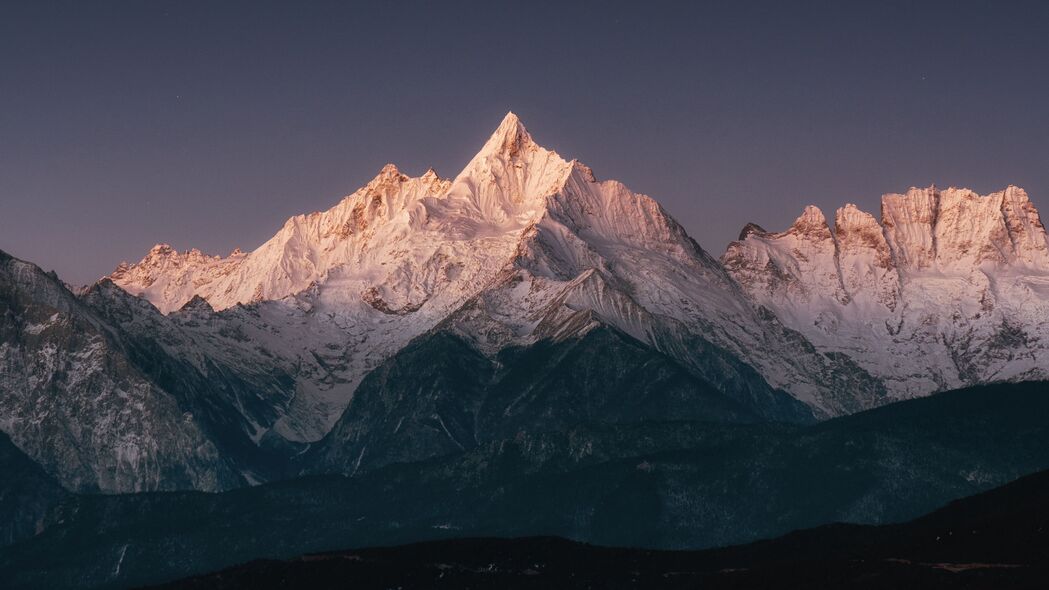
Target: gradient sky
pixel 207 124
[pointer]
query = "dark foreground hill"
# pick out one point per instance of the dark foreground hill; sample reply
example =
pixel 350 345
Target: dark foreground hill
pixel 659 485
pixel 998 539
pixel 27 494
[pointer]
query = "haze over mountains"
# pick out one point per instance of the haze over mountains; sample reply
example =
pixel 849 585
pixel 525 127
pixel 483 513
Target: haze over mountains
pixel 525 330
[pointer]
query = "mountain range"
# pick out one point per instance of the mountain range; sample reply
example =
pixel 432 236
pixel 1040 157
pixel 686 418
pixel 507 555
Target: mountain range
pixel 949 289
pixel 647 484
pixel 534 350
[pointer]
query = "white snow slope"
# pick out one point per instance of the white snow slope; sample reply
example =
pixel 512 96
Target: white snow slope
pixel 950 288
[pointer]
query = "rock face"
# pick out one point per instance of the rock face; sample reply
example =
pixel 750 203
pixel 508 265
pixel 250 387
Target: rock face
pixel 75 401
pixel 951 288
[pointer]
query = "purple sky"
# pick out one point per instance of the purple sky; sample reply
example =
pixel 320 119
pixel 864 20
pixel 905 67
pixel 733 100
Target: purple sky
pixel 123 124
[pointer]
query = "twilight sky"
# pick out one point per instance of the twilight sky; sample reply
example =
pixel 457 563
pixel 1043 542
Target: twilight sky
pixel 205 124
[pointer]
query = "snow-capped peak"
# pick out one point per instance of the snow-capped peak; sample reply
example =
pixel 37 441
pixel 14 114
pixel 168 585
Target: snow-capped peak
pixel 402 254
pixel 506 184
pixel 933 295
pixel 811 223
pixel 502 189
pixel 509 137
pixel 387 262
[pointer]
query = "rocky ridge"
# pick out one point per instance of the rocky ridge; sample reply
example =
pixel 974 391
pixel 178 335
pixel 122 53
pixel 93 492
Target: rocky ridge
pixel 948 289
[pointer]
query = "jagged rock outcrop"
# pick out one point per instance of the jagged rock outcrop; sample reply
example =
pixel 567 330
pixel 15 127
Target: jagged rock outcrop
pixel 74 399
pixel 949 289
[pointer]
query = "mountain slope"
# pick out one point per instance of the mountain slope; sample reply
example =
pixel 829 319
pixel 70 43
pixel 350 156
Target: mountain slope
pixel 949 289
pixel 997 539
pixel 73 398
pixel 27 495
pixel 669 485
pixel 440 397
